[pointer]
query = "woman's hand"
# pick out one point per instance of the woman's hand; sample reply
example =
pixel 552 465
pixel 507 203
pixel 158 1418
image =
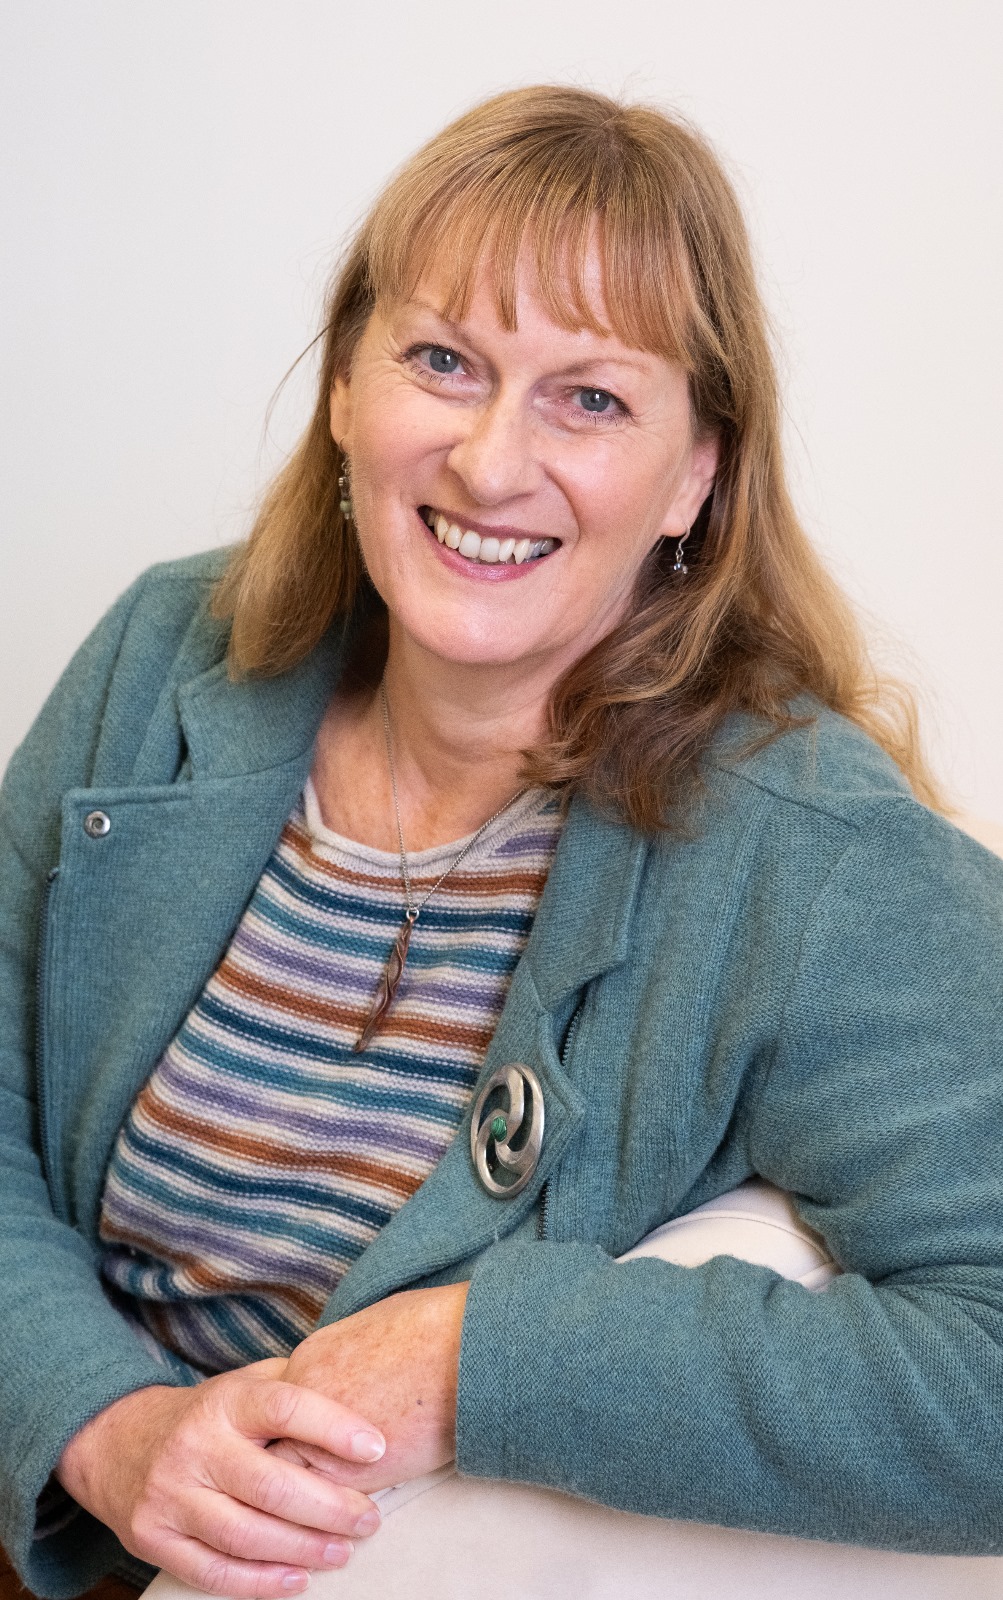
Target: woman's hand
pixel 397 1362
pixel 183 1478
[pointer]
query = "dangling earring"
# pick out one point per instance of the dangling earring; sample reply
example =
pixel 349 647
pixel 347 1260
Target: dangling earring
pixel 345 490
pixel 679 564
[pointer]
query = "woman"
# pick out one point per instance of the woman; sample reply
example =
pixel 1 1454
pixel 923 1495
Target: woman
pixel 505 852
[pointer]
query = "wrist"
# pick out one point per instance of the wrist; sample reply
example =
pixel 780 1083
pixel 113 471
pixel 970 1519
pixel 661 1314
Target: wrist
pixel 98 1444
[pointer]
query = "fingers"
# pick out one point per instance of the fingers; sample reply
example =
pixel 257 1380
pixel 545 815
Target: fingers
pixel 310 1455
pixel 208 1569
pixel 273 1409
pixel 271 1481
pixel 243 1534
pixel 270 1367
pixel 199 1496
pixel 364 1477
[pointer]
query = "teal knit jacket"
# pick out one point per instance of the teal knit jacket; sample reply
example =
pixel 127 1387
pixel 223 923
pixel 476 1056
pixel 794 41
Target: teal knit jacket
pixel 808 986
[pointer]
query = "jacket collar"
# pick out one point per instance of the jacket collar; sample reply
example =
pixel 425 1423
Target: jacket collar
pixel 254 724
pixel 583 923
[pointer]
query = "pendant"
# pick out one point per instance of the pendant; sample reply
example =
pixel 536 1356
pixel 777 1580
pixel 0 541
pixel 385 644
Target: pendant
pixel 392 974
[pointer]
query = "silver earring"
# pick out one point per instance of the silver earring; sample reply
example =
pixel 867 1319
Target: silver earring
pixel 679 564
pixel 345 490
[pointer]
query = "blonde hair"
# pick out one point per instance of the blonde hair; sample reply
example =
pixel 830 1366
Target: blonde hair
pixel 757 621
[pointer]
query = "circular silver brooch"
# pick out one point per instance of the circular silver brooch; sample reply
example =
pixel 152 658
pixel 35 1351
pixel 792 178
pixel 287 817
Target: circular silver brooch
pixel 506 1133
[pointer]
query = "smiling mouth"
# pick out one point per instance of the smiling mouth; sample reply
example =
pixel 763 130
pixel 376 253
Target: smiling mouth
pixel 485 548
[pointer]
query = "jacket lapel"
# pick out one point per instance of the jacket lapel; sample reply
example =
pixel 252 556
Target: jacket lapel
pixel 256 724
pixel 139 919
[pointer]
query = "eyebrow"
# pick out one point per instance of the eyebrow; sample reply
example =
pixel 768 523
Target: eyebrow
pixel 426 305
pixel 587 363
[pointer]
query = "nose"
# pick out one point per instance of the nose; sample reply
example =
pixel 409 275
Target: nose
pixel 495 456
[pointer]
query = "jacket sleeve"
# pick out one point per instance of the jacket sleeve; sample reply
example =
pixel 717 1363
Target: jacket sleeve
pixel 870 1413
pixel 66 1352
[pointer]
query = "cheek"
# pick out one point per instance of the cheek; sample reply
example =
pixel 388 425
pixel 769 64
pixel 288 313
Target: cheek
pixel 397 428
pixel 619 498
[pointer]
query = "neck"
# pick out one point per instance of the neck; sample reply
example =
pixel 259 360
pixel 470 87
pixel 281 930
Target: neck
pixel 458 736
pixel 460 733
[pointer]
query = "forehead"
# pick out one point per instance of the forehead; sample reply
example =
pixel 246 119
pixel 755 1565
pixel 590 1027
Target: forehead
pixel 484 289
pixel 586 275
pixel 527 301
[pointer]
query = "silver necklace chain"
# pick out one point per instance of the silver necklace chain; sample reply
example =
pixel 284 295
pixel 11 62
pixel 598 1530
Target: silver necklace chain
pixel 394 970
pixel 413 911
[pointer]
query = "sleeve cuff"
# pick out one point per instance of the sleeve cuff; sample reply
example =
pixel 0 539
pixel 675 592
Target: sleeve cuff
pixel 515 1335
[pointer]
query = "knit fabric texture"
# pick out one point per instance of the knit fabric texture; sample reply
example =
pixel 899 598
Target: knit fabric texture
pixel 263 1155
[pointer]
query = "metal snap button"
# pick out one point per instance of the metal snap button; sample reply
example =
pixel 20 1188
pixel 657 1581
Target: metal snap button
pixel 97 824
pixel 506 1133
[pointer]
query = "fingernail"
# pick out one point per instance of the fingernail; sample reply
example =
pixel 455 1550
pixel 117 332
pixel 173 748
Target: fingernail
pixel 368 1522
pixel 368 1446
pixel 335 1555
pixel 295 1582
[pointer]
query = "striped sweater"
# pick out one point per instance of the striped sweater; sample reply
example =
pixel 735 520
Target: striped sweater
pixel 262 1155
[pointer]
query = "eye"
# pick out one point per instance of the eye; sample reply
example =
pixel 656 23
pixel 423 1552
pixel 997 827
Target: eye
pixel 596 400
pixel 433 361
pixel 440 359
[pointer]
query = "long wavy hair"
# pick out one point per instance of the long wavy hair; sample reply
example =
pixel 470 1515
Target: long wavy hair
pixel 757 622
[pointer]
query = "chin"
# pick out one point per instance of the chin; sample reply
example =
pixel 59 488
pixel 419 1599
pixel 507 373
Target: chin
pixel 479 650
pixel 476 638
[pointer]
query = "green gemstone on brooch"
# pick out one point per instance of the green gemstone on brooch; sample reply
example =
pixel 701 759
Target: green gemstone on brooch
pixel 499 1127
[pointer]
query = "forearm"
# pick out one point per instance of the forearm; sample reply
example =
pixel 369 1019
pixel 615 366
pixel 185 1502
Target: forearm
pixel 722 1394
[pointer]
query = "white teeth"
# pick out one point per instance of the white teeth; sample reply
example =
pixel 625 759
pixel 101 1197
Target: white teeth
pixel 486 548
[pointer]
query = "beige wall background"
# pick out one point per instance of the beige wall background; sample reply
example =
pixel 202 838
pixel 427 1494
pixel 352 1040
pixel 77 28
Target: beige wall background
pixel 180 173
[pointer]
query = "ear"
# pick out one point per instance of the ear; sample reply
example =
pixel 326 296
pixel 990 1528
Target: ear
pixel 341 412
pixel 694 487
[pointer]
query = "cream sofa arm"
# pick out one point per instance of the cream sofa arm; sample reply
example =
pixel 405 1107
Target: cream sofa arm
pixel 450 1538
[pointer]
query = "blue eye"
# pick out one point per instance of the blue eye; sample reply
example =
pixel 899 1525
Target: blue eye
pixel 596 400
pixel 442 360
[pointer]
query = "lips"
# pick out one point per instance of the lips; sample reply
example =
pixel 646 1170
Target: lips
pixel 484 548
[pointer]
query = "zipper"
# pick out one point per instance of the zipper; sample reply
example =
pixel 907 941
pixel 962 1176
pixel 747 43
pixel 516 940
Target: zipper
pixel 545 1198
pixel 41 986
pixel 545 1216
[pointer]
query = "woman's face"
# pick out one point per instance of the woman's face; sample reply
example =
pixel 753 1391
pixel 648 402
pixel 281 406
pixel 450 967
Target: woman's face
pixel 555 460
